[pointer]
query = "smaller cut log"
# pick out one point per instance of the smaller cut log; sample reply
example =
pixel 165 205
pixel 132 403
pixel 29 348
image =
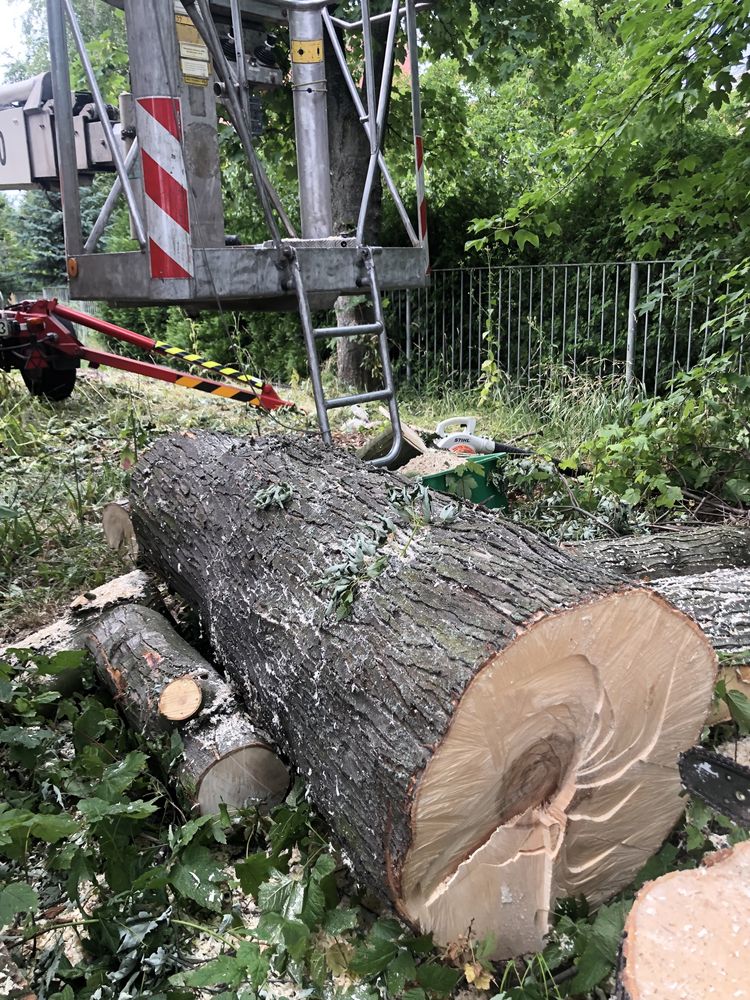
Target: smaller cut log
pixel 688 933
pixel 69 632
pixel 118 528
pixel 676 553
pixel 158 682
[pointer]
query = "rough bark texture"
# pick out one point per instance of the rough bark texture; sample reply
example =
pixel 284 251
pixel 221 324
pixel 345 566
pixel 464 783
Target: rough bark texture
pixel 687 935
pixel 363 705
pixel 70 631
pixel 137 655
pixel 720 603
pixel 675 553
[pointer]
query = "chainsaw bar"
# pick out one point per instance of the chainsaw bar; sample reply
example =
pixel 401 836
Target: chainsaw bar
pixel 719 781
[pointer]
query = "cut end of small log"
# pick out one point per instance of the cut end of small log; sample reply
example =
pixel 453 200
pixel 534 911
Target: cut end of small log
pixel 252 775
pixel 688 933
pixel 180 699
pixel 558 776
pixel 118 528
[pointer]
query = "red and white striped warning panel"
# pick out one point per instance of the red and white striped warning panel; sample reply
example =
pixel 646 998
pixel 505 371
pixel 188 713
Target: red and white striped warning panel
pixel 165 185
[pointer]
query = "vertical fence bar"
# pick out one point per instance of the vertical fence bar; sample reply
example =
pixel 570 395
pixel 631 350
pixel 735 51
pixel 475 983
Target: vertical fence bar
pixel 690 318
pixel 614 328
pixel 646 319
pixel 518 336
pixel 676 320
pixel 707 320
pixel 575 326
pixel 632 325
pixel 461 334
pixel 658 334
pixel 601 323
pixel 541 324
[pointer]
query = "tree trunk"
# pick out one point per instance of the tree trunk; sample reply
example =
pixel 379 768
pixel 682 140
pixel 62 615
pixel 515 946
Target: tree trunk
pixel 688 933
pixel 720 603
pixel 674 553
pixel 495 724
pixel 158 681
pixel 350 155
pixel 71 630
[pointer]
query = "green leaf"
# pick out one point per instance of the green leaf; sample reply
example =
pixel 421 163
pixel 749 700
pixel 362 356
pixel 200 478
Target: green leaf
pixel 315 905
pixel 292 934
pixel 254 963
pixel 253 871
pixel 400 971
pixel 739 708
pixel 373 959
pixel 53 827
pixel 15 898
pixel 221 971
pixel 600 952
pixel 282 894
pixel 438 979
pixel 198 877
pixel 117 778
pixel 338 921
pixel 95 810
pixel 524 236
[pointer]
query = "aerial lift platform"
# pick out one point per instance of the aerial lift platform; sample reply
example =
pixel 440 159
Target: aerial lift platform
pixel 191 61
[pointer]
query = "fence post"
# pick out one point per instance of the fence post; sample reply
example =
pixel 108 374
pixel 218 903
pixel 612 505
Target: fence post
pixel 632 325
pixel 408 335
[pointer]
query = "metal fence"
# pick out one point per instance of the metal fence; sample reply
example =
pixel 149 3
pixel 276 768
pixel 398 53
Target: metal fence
pixel 641 321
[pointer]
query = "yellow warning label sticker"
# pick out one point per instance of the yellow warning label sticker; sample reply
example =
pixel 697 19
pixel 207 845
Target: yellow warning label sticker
pixel 304 51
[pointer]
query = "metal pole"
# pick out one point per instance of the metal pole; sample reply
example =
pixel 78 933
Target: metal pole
pixel 106 124
pixel 408 335
pixel 311 123
pixel 64 132
pixel 341 59
pixel 107 208
pixel 376 130
pixel 416 111
pixel 632 325
pixel 201 16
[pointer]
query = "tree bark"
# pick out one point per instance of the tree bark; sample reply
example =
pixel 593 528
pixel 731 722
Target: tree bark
pixel 720 603
pixel 157 680
pixel 70 631
pixel 495 725
pixel 678 553
pixel 688 933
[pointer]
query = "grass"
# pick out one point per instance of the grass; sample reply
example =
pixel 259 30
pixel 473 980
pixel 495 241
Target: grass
pixel 60 463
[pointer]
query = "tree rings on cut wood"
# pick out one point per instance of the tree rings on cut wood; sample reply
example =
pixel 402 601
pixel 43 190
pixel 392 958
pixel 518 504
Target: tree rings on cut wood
pixel 158 682
pixel 688 933
pixel 494 725
pixel 180 699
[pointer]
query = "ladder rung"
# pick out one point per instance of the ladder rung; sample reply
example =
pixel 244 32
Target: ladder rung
pixel 348 331
pixel 364 397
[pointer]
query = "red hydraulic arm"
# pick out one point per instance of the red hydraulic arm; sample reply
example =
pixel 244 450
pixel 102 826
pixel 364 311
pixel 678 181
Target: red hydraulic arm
pixel 40 316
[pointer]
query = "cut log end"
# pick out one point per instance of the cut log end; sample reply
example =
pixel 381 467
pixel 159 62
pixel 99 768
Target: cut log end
pixel 558 775
pixel 252 775
pixel 688 933
pixel 180 699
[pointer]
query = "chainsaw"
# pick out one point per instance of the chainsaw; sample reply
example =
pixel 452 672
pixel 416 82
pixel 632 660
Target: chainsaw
pixel 719 781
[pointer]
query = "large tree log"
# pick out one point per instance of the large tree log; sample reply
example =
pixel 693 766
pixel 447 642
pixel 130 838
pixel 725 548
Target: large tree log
pixel 688 933
pixel 689 551
pixel 496 725
pixel 158 682
pixel 720 603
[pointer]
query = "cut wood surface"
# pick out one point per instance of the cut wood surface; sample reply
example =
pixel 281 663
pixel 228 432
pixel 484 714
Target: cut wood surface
pixel 689 551
pixel 69 632
pixel 688 933
pixel 140 659
pixel 118 528
pixel 496 725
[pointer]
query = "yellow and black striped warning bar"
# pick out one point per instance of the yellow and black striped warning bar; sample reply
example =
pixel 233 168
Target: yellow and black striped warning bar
pixel 225 391
pixel 214 366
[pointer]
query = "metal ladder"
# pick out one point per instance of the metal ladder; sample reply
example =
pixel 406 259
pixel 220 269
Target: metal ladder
pixel 313 334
